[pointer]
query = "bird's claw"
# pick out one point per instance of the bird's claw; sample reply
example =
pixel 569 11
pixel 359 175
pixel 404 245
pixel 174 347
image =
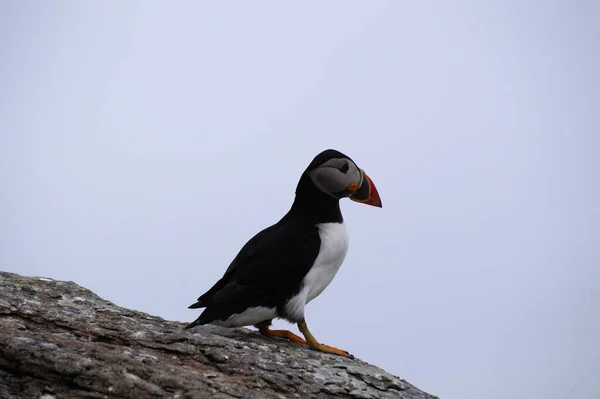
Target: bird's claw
pixel 334 351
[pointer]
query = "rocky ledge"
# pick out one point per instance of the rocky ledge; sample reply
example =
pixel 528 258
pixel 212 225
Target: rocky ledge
pixel 60 340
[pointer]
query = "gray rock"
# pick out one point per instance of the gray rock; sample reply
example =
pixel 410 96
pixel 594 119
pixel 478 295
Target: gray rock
pixel 60 340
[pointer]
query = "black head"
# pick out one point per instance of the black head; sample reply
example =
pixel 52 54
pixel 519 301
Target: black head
pixel 337 175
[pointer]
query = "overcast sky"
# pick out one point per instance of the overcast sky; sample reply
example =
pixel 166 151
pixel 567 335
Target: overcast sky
pixel 143 143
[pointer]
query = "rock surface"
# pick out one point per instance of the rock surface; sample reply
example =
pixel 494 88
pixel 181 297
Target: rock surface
pixel 60 340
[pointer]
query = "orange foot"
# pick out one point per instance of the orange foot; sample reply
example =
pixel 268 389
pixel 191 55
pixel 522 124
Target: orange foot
pixel 283 334
pixel 332 350
pixel 314 344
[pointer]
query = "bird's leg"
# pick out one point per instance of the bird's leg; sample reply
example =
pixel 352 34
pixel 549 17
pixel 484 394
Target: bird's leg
pixel 263 328
pixel 312 342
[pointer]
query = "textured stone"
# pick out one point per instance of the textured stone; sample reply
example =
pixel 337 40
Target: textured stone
pixel 60 340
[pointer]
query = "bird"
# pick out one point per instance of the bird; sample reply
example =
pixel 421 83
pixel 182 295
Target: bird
pixel 287 265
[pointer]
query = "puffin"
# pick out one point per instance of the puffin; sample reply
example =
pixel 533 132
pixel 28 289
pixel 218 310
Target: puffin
pixel 287 265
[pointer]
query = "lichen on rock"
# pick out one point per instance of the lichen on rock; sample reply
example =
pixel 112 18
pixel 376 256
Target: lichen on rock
pixel 60 340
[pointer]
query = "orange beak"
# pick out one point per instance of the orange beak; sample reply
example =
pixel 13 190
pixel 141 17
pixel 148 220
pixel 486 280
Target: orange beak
pixel 366 193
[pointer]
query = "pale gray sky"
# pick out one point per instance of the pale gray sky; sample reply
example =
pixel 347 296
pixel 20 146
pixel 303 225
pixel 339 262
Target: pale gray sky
pixel 142 143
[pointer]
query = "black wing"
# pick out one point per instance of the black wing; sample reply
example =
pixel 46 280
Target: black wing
pixel 267 271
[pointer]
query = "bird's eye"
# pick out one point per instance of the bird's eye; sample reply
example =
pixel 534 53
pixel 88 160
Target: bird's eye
pixel 344 168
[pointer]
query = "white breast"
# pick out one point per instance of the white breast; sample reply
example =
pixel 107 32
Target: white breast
pixel 334 246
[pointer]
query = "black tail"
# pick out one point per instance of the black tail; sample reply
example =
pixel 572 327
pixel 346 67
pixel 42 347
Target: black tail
pixel 197 305
pixel 211 314
pixel 194 324
pixel 200 320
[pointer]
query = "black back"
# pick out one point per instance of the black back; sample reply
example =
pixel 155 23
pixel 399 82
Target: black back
pixel 267 272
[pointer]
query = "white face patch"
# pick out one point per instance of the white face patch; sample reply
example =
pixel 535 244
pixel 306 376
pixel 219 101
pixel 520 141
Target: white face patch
pixel 334 246
pixel 335 175
pixel 248 317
